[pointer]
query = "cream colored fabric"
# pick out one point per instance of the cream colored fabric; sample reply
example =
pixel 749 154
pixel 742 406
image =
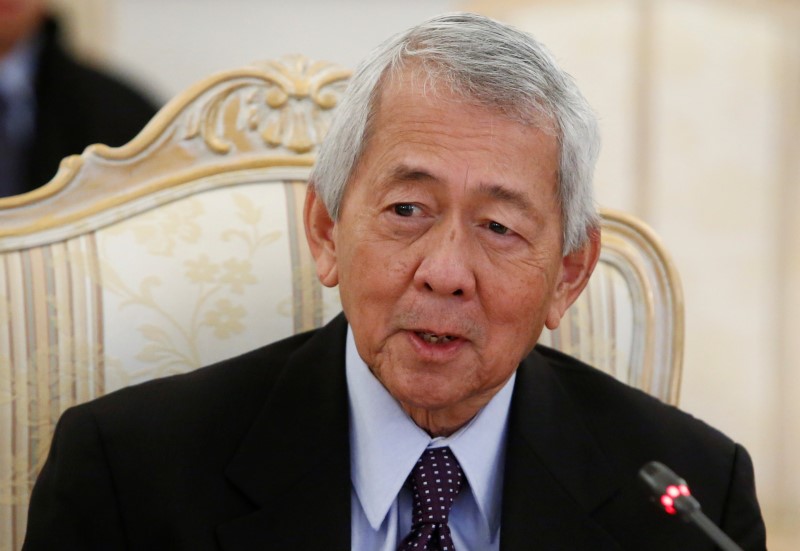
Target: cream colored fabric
pixel 186 247
pixel 50 359
pixel 205 278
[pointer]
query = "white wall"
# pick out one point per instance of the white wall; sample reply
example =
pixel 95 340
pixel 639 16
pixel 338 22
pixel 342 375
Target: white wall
pixel 171 44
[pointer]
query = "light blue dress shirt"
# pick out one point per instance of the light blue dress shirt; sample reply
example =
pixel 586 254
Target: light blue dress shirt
pixel 385 445
pixel 17 73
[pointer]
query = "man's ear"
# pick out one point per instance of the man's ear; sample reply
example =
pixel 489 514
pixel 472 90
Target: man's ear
pixel 576 267
pixel 320 236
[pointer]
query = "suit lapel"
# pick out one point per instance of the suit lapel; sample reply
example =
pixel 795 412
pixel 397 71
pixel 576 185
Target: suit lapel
pixel 294 464
pixel 299 479
pixel 556 474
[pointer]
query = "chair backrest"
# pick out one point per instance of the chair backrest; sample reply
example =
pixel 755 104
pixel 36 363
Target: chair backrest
pixel 186 246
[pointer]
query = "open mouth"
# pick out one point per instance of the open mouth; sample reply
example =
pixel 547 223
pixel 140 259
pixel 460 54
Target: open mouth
pixel 433 338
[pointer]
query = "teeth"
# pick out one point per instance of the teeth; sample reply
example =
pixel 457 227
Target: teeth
pixel 432 338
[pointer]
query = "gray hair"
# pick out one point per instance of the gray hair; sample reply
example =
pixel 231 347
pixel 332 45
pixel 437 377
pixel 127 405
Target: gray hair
pixel 498 67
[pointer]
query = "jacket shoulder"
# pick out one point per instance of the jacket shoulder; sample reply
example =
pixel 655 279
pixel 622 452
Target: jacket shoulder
pixel 610 405
pixel 632 428
pixel 232 390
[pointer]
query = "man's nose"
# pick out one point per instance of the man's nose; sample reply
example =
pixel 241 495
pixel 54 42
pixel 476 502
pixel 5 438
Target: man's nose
pixel 446 267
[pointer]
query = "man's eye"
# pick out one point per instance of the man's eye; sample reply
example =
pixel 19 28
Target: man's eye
pixel 498 228
pixel 404 209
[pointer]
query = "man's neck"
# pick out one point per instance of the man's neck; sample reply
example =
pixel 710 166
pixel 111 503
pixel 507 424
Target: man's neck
pixel 446 421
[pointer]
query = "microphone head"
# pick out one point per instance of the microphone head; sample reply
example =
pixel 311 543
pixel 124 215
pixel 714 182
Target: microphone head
pixel 668 489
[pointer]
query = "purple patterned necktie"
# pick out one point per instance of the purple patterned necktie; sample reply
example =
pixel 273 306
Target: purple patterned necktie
pixel 435 482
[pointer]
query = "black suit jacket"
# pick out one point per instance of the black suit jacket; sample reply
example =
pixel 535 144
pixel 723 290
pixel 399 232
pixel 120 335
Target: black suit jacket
pixel 253 453
pixel 77 106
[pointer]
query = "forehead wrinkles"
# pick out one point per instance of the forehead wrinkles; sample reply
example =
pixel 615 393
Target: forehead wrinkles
pixel 424 78
pixel 400 89
pixel 431 71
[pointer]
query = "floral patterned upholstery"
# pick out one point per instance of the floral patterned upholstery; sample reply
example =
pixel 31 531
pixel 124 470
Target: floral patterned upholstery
pixel 186 246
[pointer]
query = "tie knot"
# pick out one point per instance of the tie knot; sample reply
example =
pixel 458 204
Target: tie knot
pixel 435 482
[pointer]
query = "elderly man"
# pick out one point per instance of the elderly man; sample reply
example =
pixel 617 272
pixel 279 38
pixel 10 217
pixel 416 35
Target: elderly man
pixel 452 206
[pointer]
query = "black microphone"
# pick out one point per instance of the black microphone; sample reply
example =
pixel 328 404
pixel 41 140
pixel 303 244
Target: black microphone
pixel 672 494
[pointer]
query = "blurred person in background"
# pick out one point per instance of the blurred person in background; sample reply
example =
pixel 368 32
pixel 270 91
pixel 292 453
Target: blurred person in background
pixel 52 105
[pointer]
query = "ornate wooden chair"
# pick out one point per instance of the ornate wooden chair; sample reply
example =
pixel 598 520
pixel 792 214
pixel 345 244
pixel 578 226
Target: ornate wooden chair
pixel 186 246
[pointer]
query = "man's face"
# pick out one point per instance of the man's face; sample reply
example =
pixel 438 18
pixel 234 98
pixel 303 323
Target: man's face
pixel 447 251
pixel 18 18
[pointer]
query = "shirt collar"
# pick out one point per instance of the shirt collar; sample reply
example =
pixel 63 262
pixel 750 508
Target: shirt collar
pixel 17 69
pixel 385 444
pixel 17 73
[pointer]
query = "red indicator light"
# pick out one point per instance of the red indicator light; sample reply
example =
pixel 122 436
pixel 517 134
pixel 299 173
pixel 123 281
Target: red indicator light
pixel 666 501
pixel 673 491
pixel 684 490
pixel 670 510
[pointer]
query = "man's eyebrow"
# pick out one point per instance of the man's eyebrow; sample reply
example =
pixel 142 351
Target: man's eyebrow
pixel 515 198
pixel 406 173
